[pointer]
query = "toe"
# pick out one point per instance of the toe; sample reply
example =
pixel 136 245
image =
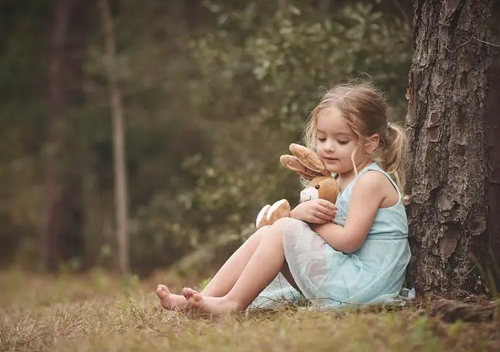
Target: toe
pixel 162 291
pixel 188 292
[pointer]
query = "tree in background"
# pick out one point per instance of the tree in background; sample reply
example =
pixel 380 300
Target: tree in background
pixel 453 120
pixel 119 152
pixel 61 235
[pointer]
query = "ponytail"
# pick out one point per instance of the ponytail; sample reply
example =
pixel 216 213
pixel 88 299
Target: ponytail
pixel 393 154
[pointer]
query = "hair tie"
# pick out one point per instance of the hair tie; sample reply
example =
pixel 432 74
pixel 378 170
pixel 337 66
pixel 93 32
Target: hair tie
pixel 388 125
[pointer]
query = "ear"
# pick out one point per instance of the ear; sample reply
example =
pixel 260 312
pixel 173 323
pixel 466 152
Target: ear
pixel 309 159
pixel 372 143
pixel 292 163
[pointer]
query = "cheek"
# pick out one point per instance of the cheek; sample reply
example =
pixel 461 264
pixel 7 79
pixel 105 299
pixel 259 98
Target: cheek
pixel 345 150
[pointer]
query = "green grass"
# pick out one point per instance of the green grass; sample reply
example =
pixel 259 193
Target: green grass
pixel 98 312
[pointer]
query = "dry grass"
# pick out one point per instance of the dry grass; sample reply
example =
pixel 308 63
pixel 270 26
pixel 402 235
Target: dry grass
pixel 101 313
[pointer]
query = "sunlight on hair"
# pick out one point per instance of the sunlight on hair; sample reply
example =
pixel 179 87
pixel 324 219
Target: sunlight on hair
pixel 365 109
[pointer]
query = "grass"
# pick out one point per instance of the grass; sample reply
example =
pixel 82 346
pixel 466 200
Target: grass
pixel 98 312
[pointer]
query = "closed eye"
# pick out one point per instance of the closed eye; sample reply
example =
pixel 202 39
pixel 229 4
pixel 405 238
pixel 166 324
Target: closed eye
pixel 343 142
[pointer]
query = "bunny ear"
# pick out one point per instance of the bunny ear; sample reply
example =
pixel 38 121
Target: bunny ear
pixel 292 163
pixel 309 159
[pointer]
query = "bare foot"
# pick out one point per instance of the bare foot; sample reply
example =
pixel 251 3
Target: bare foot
pixel 169 300
pixel 188 292
pixel 213 305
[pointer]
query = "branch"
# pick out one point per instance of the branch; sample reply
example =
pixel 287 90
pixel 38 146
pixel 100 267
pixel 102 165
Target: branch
pixel 487 43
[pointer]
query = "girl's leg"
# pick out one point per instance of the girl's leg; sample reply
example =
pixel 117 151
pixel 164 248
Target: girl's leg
pixel 227 275
pixel 263 266
pixel 223 281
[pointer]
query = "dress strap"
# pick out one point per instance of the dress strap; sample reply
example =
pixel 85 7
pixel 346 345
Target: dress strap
pixel 365 169
pixel 375 167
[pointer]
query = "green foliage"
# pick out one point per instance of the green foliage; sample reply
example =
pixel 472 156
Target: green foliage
pixel 281 61
pixel 259 77
pixel 211 102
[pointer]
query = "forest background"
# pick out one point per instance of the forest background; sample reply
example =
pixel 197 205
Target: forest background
pixel 213 92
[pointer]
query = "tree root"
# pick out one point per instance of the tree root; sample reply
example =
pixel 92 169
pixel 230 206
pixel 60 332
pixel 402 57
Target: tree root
pixel 451 311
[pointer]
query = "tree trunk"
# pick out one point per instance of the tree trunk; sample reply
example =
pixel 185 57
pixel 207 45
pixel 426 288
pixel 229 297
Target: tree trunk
pixel 453 125
pixel 61 232
pixel 119 155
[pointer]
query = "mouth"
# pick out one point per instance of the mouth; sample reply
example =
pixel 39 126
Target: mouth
pixel 330 160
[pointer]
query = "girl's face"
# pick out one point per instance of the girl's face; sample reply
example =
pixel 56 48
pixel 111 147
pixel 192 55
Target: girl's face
pixel 336 142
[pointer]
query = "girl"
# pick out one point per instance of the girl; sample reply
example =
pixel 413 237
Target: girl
pixel 351 253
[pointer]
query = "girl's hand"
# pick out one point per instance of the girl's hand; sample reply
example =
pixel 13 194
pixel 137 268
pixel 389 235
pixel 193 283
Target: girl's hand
pixel 316 211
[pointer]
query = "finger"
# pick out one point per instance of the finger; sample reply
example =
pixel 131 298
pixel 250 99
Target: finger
pixel 330 214
pixel 315 220
pixel 314 217
pixel 327 204
pixel 320 221
pixel 322 216
pixel 327 210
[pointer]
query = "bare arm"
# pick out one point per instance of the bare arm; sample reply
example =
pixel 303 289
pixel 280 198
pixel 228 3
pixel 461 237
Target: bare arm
pixel 367 196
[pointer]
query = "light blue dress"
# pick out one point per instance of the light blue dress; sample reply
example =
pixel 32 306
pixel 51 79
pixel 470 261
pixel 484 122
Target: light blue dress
pixel 331 279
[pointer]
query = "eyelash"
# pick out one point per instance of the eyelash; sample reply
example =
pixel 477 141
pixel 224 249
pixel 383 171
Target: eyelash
pixel 340 142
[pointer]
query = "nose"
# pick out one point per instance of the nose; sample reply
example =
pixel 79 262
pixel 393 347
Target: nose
pixel 329 146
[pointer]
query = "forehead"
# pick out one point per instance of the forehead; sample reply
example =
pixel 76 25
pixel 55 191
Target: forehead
pixel 331 121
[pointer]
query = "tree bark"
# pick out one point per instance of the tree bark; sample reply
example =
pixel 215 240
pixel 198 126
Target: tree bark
pixel 121 198
pixel 61 235
pixel 453 125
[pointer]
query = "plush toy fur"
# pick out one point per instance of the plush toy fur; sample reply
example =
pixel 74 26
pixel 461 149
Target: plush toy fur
pixel 309 166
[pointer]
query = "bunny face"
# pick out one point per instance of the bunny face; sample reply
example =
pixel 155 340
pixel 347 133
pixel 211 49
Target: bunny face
pixel 322 187
pixel 309 166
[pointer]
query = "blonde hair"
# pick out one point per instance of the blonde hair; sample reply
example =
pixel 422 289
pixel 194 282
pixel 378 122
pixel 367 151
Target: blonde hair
pixel 365 111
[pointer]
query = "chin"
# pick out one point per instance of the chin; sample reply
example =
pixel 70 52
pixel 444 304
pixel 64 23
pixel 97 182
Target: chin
pixel 332 169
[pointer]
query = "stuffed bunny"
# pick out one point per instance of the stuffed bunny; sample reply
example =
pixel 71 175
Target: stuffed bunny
pixel 308 165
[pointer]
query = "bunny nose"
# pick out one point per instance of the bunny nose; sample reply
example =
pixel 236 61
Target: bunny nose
pixel 309 194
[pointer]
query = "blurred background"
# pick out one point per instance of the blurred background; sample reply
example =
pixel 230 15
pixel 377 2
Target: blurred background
pixel 211 93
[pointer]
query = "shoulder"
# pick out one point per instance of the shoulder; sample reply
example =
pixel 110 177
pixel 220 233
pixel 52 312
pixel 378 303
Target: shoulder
pixel 373 183
pixel 372 179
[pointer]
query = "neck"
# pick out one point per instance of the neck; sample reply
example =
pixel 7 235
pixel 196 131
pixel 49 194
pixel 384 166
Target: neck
pixel 345 178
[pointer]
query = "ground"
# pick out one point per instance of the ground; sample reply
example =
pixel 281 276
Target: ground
pixel 97 312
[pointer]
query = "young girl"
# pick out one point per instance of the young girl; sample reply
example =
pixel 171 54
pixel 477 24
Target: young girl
pixel 351 253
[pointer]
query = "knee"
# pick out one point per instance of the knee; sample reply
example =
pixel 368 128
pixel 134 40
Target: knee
pixel 278 228
pixel 282 224
pixel 261 232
